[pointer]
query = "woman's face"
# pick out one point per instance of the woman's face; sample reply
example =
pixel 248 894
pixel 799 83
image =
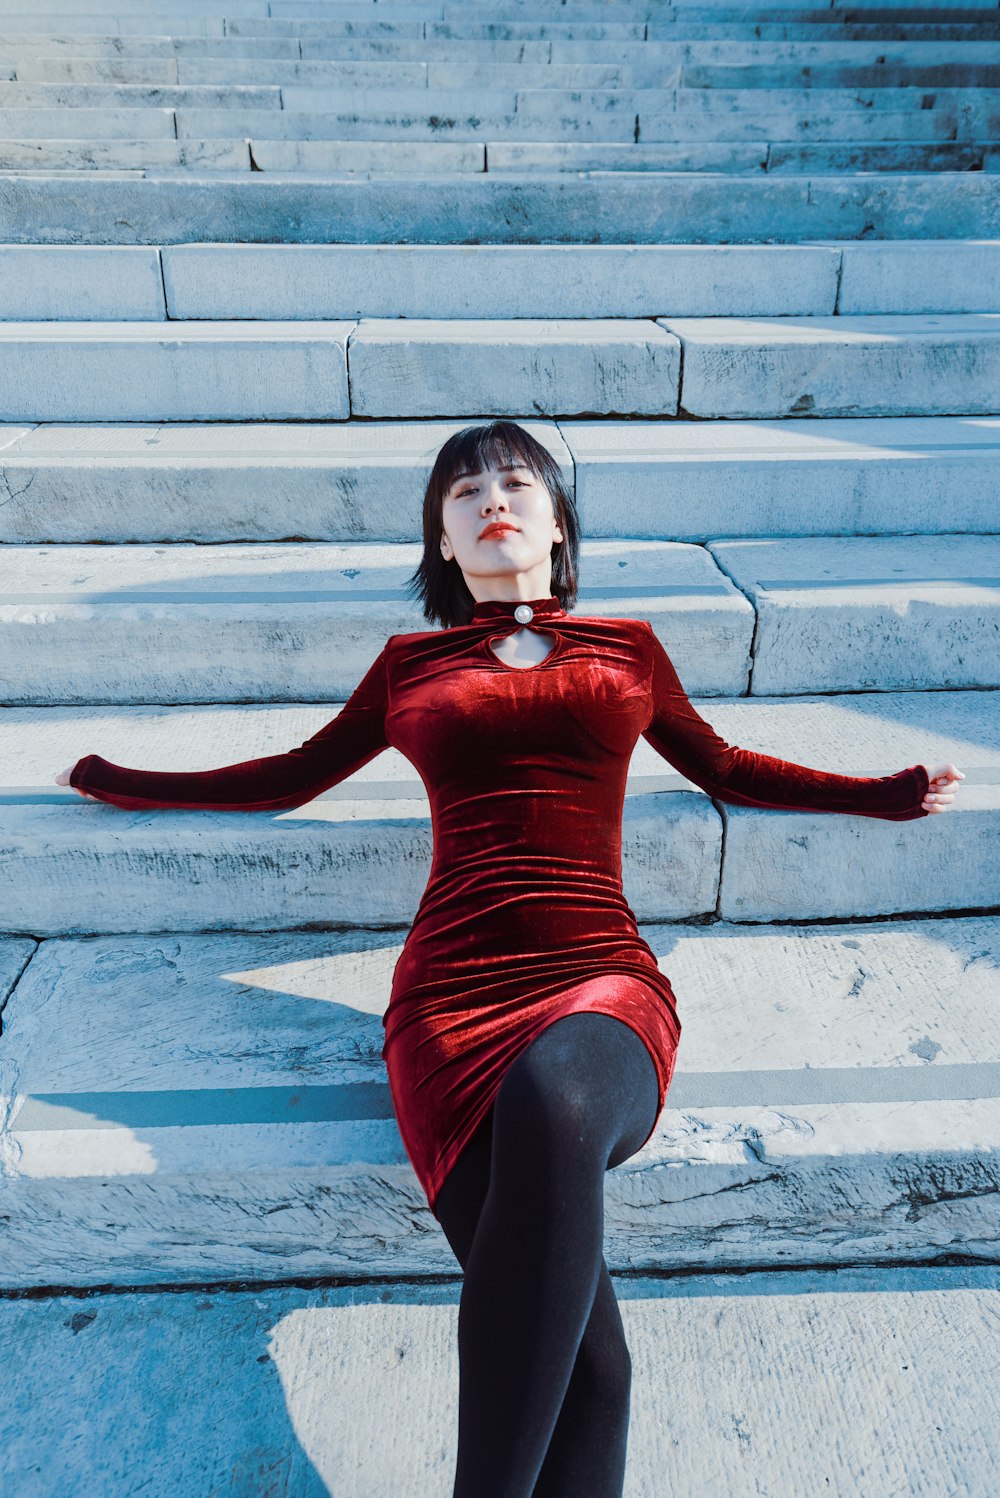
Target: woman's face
pixel 519 559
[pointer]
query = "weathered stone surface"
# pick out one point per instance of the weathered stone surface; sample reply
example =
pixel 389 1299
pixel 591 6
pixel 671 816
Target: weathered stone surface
pixel 501 282
pixel 577 156
pixel 298 622
pixel 917 276
pixel 73 865
pixel 355 1389
pixel 872 613
pixel 346 863
pixel 111 371
pixel 833 1105
pixel 520 367
pixel 93 125
pixel 205 155
pixel 839 366
pixel 830 865
pixel 696 480
pixel 42 281
pixel 395 156
pixel 262 481
pixel 361 481
pixel 217 481
pixel 630 208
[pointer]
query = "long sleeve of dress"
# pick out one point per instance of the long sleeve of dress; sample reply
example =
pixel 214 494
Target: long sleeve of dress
pixel 274 783
pixel 745 778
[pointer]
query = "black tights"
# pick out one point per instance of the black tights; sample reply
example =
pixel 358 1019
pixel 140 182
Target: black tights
pixel 545 1371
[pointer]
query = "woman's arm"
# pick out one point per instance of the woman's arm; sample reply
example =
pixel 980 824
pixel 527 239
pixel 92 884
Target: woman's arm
pixel 745 778
pixel 275 783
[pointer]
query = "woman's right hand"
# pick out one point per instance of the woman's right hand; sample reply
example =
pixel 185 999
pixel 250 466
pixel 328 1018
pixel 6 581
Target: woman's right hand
pixel 63 779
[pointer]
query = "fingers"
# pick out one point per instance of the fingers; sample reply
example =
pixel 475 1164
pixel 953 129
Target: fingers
pixel 941 788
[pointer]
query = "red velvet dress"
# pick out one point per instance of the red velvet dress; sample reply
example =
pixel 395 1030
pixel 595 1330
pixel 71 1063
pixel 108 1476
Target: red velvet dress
pixel 523 919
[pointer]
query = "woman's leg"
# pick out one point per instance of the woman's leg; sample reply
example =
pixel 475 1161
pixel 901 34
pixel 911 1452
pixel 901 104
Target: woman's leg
pixel 545 1371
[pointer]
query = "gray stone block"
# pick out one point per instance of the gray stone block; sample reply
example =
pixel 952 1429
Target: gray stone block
pixel 699 480
pixel 300 621
pixel 173 1086
pixel 919 276
pixel 309 1374
pixel 840 366
pixel 525 367
pixel 587 156
pixel 260 481
pixel 108 371
pixel 394 156
pixel 45 282
pixel 870 613
pixel 99 70
pixel 614 208
pixel 136 96
pixel 502 282
pixel 884 156
pixel 105 155
pixel 93 125
pixel 385 73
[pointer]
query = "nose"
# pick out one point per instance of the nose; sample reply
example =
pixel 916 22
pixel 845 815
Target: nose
pixel 496 501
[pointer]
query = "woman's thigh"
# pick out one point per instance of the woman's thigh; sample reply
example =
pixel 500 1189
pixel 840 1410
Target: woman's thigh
pixel 586 1086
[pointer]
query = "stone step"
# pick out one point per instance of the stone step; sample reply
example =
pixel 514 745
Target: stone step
pixel 433 74
pixel 362 1350
pixel 198 155
pixel 74 866
pixel 94 371
pixel 686 126
pixel 300 621
pixel 743 156
pixel 865 365
pixel 121 371
pixel 252 622
pixel 395 157
pixel 842 75
pixel 120 96
pixel 261 1121
pixel 613 208
pixel 55 44
pixel 93 125
pixel 23 23
pixel 360 481
pixel 871 613
pixel 543 142
pixel 840 366
pixel 729 43
pixel 195 60
pixel 651 105
pixel 524 281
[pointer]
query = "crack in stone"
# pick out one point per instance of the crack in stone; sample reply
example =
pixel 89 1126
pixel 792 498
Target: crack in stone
pixel 13 494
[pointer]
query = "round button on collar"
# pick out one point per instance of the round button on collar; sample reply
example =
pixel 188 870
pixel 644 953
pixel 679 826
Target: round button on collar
pixel 524 613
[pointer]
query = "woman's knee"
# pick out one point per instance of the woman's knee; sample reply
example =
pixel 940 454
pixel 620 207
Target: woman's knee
pixel 581 1084
pixel 548 1094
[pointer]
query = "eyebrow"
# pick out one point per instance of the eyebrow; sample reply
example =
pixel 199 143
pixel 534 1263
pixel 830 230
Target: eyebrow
pixel 508 468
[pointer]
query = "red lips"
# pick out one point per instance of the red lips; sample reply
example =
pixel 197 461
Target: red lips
pixel 496 528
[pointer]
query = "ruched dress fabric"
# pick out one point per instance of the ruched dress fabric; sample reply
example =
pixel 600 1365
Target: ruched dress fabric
pixel 523 919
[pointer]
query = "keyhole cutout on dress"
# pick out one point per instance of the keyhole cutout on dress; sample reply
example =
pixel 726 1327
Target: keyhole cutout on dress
pixel 524 648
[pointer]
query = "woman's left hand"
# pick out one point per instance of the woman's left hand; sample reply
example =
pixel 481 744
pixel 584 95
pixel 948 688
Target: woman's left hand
pixel 941 791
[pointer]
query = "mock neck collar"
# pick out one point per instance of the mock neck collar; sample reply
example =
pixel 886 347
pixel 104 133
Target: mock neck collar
pixel 503 608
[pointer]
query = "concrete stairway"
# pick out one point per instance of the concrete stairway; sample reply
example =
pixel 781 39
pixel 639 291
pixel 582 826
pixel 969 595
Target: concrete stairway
pixel 739 269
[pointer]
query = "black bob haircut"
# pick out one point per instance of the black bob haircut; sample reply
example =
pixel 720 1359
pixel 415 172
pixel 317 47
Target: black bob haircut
pixel 440 584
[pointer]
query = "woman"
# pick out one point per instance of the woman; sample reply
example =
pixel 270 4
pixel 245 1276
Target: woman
pixel 530 1036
